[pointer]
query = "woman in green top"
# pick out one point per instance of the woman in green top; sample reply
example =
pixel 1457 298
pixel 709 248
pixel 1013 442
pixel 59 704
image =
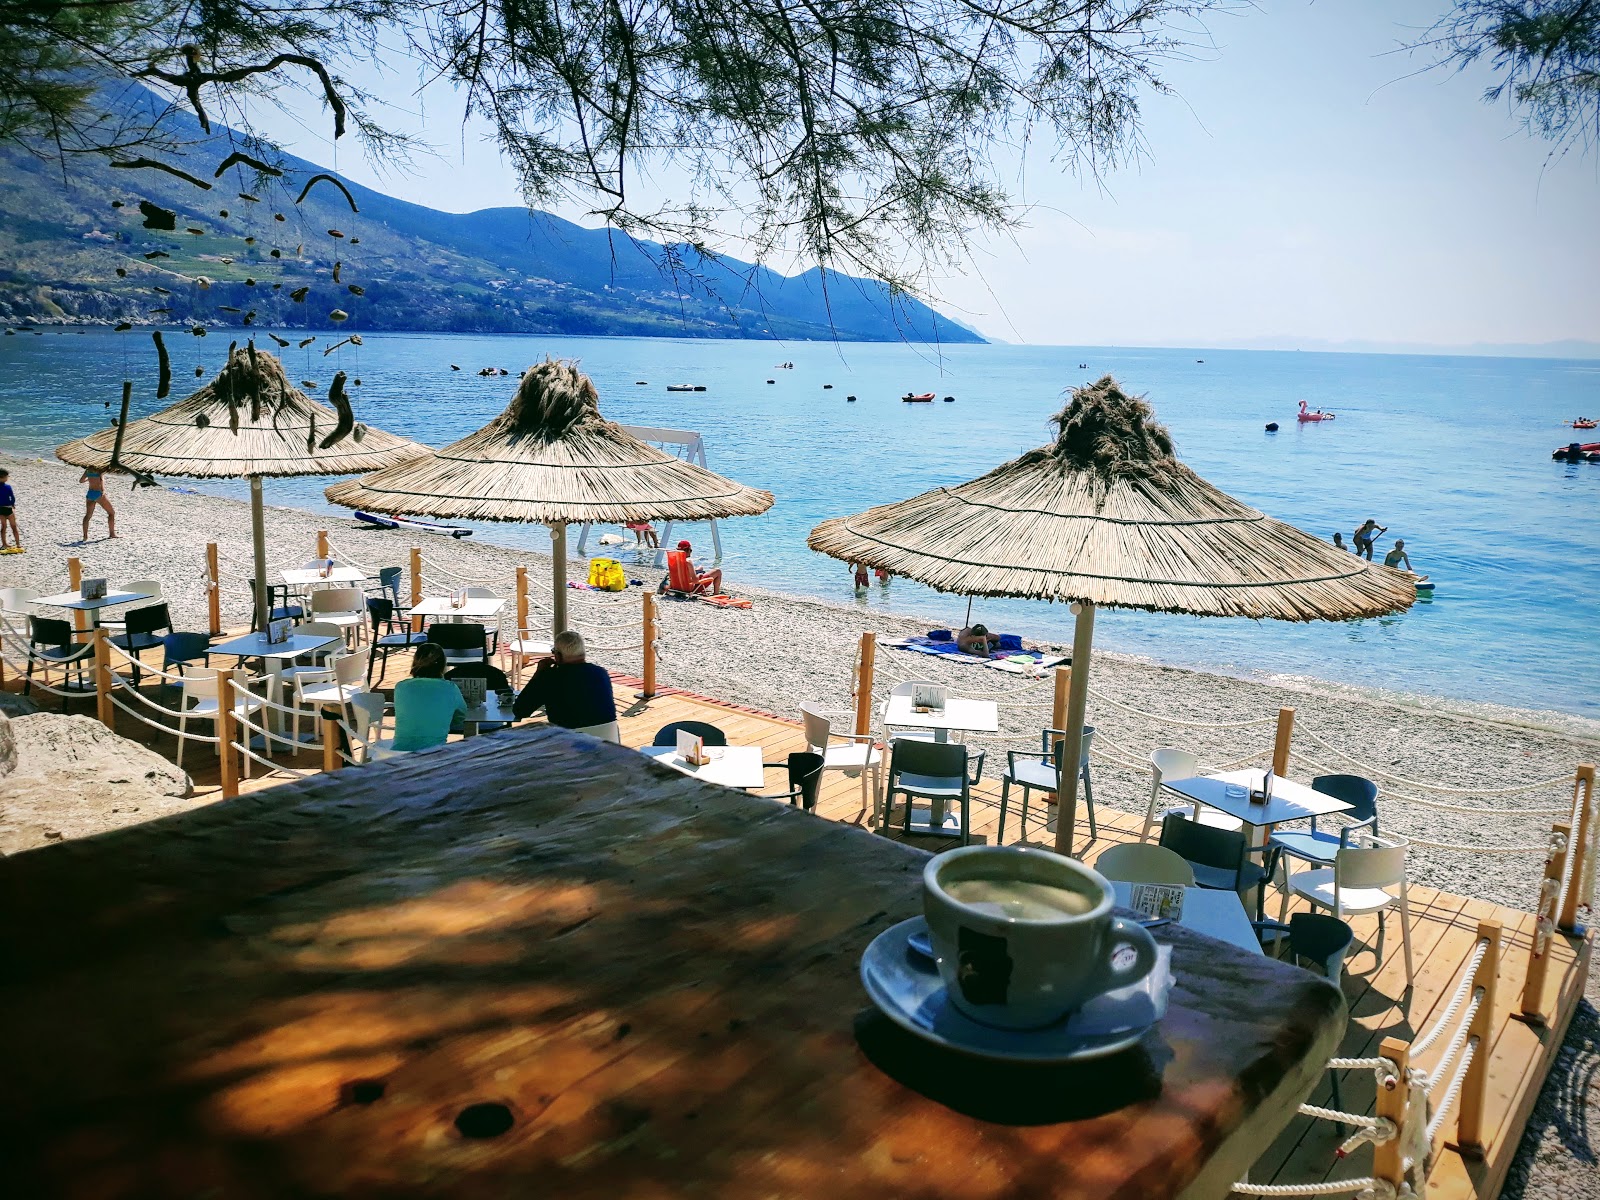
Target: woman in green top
pixel 425 705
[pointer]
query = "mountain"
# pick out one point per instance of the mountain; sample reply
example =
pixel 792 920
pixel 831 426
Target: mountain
pixel 66 232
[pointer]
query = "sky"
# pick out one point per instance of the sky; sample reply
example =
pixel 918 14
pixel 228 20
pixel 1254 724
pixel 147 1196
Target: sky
pixel 1304 187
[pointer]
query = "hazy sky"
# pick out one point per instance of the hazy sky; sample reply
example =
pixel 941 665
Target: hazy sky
pixel 1301 188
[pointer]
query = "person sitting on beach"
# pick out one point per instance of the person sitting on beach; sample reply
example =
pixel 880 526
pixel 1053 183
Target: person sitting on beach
pixel 96 495
pixel 1398 555
pixel 976 639
pixel 427 704
pixel 1363 537
pixel 644 533
pixel 683 576
pixel 1338 542
pixel 574 693
pixel 8 512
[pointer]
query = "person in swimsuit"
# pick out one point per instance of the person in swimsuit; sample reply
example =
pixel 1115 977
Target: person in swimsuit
pixel 644 533
pixel 96 495
pixel 1338 542
pixel 8 512
pixel 1398 555
pixel 1363 537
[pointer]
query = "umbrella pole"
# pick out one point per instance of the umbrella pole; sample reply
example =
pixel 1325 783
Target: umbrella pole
pixel 1072 744
pixel 258 535
pixel 968 624
pixel 558 578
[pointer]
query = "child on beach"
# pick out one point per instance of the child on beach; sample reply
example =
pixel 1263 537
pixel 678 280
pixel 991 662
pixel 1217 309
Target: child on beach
pixel 1338 542
pixel 96 495
pixel 8 515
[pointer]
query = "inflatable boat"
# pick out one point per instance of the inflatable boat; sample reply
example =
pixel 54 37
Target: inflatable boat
pixel 383 522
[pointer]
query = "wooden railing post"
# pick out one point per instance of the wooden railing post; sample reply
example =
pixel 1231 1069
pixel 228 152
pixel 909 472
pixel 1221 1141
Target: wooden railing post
pixel 1578 846
pixel 227 730
pixel 1544 913
pixel 522 600
pixel 213 589
pixel 330 740
pixel 1280 745
pixel 649 668
pixel 322 543
pixel 416 586
pixel 1474 1088
pixel 75 584
pixel 1388 1158
pixel 1058 704
pixel 102 681
pixel 864 674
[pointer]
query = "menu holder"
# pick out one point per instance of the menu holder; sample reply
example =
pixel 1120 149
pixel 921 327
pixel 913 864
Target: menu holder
pixel 278 631
pixel 692 749
pixel 92 589
pixel 1159 901
pixel 929 697
pixel 473 690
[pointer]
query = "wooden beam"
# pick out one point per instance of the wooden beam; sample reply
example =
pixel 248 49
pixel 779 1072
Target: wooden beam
pixel 1280 745
pixel 1388 1157
pixel 74 583
pixel 330 741
pixel 1544 911
pixel 416 586
pixel 227 730
pixel 1583 801
pixel 869 653
pixel 102 681
pixel 649 652
pixel 213 589
pixel 1469 1110
pixel 322 543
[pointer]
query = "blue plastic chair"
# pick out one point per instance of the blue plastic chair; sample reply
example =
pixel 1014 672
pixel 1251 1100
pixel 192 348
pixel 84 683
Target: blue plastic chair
pixel 180 648
pixel 1321 846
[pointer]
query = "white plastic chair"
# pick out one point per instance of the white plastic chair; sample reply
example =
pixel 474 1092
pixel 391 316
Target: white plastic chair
pixel 857 754
pixel 198 701
pixel 369 709
pixel 529 643
pixel 338 683
pixel 1358 883
pixel 345 607
pixel 1139 862
pixel 150 587
pixel 321 659
pixel 18 600
pixel 1169 763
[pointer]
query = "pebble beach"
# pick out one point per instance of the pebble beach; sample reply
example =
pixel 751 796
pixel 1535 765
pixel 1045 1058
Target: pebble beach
pixel 786 650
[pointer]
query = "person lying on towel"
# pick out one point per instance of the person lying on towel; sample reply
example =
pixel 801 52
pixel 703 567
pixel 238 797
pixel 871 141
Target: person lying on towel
pixel 976 639
pixel 684 577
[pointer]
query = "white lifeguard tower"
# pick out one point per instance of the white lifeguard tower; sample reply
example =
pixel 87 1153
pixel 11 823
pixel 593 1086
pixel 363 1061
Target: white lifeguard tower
pixel 681 443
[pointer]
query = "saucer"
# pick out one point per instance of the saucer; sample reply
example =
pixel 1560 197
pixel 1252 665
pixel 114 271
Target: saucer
pixel 906 987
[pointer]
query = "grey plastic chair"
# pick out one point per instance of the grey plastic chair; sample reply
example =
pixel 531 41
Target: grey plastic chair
pixel 935 772
pixel 1042 771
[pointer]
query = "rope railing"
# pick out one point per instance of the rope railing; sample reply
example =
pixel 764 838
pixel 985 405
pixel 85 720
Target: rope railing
pixel 208 739
pixel 1458 998
pixel 1101 698
pixel 1374 771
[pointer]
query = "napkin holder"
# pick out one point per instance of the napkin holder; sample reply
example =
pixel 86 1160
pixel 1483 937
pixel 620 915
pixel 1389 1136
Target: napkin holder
pixel 92 589
pixel 278 631
pixel 692 749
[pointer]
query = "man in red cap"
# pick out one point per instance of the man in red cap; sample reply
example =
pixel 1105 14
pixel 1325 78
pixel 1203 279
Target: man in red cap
pixel 713 577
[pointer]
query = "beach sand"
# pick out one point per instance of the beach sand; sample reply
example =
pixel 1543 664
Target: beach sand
pixel 788 650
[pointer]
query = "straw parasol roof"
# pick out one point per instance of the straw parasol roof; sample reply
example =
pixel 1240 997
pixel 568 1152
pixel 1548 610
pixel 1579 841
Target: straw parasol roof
pixel 552 458
pixel 248 421
pixel 1107 514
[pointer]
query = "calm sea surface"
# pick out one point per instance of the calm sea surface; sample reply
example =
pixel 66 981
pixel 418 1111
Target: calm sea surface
pixel 1452 454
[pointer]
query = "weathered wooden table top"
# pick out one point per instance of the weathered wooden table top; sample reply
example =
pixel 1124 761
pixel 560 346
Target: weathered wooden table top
pixel 519 967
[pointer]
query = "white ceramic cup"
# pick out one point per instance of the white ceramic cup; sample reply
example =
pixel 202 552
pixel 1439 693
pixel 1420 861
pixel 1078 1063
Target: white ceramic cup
pixel 1027 971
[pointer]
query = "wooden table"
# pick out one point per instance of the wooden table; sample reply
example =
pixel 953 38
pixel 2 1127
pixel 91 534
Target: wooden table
pixel 530 965
pixel 731 766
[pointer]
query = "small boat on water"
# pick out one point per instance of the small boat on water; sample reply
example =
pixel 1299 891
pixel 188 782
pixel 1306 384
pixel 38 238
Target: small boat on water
pixel 680 387
pixel 922 398
pixel 1586 423
pixel 1312 415
pixel 1577 452
pixel 383 522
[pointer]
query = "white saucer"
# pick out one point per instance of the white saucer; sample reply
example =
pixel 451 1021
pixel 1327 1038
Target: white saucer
pixel 906 987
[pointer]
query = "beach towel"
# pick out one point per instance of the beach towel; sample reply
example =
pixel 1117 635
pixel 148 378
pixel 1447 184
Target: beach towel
pixel 726 601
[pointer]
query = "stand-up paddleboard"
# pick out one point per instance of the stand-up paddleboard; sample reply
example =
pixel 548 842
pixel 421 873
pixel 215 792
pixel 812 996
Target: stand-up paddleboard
pixel 383 522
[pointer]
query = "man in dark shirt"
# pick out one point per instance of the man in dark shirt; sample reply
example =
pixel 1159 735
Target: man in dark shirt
pixel 574 693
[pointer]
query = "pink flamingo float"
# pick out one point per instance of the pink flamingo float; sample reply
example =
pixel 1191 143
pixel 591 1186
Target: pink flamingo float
pixel 1318 415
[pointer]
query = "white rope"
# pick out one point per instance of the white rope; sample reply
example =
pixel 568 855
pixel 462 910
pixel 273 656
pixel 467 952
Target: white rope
pixel 1463 1029
pixel 1380 1065
pixel 1100 697
pixel 1475 809
pixel 196 737
pixel 1420 1044
pixel 148 703
pixel 1453 1090
pixel 1333 1114
pixel 337 552
pixel 1377 1189
pixel 1476 849
pixel 614 649
pixel 1371 769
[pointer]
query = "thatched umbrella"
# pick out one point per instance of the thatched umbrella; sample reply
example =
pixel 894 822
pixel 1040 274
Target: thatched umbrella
pixel 1107 515
pixel 552 458
pixel 249 422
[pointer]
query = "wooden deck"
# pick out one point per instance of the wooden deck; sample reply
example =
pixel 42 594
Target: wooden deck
pixel 1443 937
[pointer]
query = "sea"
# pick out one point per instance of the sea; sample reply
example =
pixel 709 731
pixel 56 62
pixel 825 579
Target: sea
pixel 1451 453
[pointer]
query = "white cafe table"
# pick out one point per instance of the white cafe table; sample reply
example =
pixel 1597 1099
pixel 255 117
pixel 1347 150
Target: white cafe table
pixel 1213 912
pixel 255 645
pixel 731 766
pixel 959 712
pixel 473 606
pixel 1290 801
pixel 76 602
pixel 303 577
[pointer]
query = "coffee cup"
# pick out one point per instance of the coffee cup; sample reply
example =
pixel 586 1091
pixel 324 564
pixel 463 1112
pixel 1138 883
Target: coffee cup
pixel 1023 937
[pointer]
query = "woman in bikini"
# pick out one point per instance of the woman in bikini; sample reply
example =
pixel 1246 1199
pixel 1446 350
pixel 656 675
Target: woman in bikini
pixel 96 495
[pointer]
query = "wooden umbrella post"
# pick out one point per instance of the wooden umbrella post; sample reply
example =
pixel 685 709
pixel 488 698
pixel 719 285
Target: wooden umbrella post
pixel 1474 1088
pixel 227 730
pixel 322 544
pixel 864 676
pixel 649 650
pixel 75 584
pixel 1058 708
pixel 1280 745
pixel 258 534
pixel 558 578
pixel 416 586
pixel 1072 743
pixel 1544 914
pixel 522 602
pixel 1583 797
pixel 102 681
pixel 213 589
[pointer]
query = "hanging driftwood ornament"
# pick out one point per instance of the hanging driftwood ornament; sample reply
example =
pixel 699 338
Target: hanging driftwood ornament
pixel 194 229
pixel 222 212
pixel 316 179
pixel 299 294
pixel 249 199
pixel 356 289
pixel 304 342
pixel 122 272
pixel 337 267
pixel 256 163
pixel 355 241
pixel 153 254
pixel 249 282
pixel 279 340
pixel 161 290
pixel 341 405
pixel 163 366
pixel 140 164
pixel 250 241
pixel 199 371
pixel 250 317
pixel 202 282
pixel 229 308
pixel 198 331
pixel 277 216
pixel 200 419
pixel 309 383
pixel 275 252
pixel 116 204
pixel 335 233
pixel 338 314
pixel 158 310
pixel 122 326
pixel 156 217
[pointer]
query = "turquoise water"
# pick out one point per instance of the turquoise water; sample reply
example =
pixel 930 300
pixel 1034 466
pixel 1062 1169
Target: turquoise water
pixel 1453 454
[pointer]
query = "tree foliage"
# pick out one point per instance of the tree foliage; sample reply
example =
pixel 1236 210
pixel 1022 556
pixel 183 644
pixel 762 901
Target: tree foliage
pixel 1545 55
pixel 860 134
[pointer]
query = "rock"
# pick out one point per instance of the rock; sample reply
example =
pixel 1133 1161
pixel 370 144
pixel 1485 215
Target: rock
pixel 8 747
pixel 71 777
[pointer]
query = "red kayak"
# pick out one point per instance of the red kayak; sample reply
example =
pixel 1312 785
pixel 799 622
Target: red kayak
pixel 925 398
pixel 1587 452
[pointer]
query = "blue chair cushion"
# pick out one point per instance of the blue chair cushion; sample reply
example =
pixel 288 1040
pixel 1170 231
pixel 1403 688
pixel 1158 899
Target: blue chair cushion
pixel 1313 846
pixel 928 785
